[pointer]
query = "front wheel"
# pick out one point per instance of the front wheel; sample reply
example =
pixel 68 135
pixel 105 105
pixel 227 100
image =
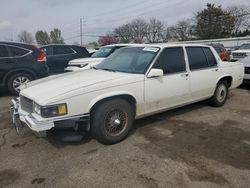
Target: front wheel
pixel 220 95
pixel 111 121
pixel 16 80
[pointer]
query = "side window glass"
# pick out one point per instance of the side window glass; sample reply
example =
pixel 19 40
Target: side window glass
pixel 210 57
pixel 3 51
pixel 48 50
pixel 15 52
pixel 60 50
pixel 197 58
pixel 171 60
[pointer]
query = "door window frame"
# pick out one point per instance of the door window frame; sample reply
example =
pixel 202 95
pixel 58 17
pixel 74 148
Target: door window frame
pixel 205 68
pixel 169 74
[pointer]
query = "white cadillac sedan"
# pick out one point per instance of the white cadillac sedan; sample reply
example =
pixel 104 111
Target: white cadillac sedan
pixel 132 83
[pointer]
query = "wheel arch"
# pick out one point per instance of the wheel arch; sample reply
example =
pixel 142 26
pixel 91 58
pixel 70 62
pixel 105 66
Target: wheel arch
pixel 122 95
pixel 227 78
pixel 16 71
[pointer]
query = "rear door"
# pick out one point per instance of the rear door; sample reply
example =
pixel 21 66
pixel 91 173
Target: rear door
pixel 58 57
pixel 172 89
pixel 61 57
pixel 5 61
pixel 204 72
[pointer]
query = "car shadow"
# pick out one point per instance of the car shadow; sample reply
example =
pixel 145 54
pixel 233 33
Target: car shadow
pixel 57 137
pixel 4 93
pixel 245 86
pixel 167 115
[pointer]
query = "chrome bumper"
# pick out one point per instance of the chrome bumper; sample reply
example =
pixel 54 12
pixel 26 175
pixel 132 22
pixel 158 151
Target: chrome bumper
pixel 21 120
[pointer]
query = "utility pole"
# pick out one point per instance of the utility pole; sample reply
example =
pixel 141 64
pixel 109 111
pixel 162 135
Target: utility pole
pixel 81 24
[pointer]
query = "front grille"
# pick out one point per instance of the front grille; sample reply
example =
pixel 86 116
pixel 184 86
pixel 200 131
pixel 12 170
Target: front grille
pixel 239 55
pixel 247 70
pixel 26 104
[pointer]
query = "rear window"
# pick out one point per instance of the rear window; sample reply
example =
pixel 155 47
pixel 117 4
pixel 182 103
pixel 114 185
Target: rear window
pixel 48 50
pixel 60 50
pixel 3 51
pixel 210 57
pixel 15 51
pixel 197 58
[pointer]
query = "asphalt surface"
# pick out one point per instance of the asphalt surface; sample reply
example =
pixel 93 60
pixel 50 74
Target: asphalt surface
pixel 193 146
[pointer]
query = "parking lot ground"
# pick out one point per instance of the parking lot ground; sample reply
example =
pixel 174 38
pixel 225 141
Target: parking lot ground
pixel 192 146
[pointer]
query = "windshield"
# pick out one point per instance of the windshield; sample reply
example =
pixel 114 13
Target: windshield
pixel 245 46
pixel 130 60
pixel 103 52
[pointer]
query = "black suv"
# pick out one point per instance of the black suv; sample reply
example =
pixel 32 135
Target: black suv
pixel 59 55
pixel 19 64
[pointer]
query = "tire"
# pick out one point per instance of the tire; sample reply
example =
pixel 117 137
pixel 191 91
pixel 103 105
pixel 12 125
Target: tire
pixel 16 80
pixel 220 95
pixel 111 121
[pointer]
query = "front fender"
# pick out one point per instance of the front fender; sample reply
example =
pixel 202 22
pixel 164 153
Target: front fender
pixel 107 95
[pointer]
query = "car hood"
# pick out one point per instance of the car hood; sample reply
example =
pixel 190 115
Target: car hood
pixel 55 88
pixel 241 51
pixel 81 61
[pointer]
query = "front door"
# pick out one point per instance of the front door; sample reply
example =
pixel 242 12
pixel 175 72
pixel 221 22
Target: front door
pixel 172 89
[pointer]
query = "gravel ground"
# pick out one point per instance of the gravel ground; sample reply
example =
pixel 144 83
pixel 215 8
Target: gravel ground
pixel 193 146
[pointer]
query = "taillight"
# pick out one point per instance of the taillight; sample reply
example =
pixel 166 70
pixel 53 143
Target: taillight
pixel 42 56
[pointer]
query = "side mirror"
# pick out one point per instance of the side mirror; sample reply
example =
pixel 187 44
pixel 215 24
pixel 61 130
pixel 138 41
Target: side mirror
pixel 155 73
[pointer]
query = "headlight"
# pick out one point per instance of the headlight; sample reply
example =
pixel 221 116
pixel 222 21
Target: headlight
pixel 37 108
pixel 51 111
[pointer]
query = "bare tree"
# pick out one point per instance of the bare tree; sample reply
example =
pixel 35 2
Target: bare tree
pixel 184 30
pixel 56 36
pixel 241 17
pixel 170 34
pixel 42 38
pixel 25 37
pixel 139 29
pixel 155 30
pixel 124 33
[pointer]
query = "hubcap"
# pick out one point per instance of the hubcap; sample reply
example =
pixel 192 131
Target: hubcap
pixel 222 93
pixel 18 81
pixel 116 122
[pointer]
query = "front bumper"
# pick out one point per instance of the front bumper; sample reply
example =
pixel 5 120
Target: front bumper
pixel 23 119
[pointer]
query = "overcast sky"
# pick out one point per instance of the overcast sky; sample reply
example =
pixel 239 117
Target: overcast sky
pixel 100 16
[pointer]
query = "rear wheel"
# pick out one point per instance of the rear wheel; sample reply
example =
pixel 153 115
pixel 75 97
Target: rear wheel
pixel 220 95
pixel 16 80
pixel 111 121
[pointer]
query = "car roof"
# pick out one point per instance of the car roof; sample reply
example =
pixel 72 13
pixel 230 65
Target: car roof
pixel 124 45
pixel 164 45
pixel 15 43
pixel 19 44
pixel 60 45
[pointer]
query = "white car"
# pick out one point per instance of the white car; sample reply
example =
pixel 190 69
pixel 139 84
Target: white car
pixel 242 52
pixel 95 59
pixel 246 62
pixel 132 83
